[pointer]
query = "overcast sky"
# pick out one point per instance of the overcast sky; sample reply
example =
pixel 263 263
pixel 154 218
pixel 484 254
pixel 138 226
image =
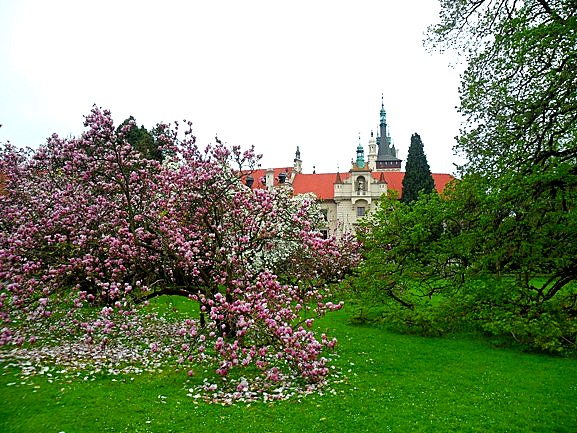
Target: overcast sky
pixel 269 73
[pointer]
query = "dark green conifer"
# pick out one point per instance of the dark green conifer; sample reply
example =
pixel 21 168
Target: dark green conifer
pixel 142 140
pixel 418 177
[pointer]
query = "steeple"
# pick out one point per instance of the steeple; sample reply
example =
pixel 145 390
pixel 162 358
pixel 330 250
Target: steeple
pixel 383 122
pixel 386 156
pixel 360 154
pixel 382 140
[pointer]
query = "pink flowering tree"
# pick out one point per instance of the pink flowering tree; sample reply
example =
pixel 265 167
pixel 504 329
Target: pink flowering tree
pixel 91 231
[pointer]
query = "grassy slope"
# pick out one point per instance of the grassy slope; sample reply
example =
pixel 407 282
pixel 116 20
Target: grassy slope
pixel 396 383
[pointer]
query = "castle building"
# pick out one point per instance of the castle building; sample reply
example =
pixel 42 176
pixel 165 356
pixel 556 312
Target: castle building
pixel 347 197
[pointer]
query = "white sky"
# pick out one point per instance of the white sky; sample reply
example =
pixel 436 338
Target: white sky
pixel 269 73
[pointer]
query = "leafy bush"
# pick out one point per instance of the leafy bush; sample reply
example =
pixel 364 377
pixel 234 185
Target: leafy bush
pixel 458 261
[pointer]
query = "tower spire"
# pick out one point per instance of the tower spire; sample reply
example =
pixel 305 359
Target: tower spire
pixel 360 154
pixel 382 140
pixel 386 156
pixel 383 114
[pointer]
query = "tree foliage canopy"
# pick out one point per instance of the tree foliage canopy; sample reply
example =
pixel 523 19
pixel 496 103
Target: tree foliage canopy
pixel 499 251
pixel 518 93
pixel 91 229
pixel 418 178
pixel 519 99
pixel 141 140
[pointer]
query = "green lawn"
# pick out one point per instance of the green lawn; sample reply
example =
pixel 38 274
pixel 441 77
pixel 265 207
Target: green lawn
pixel 398 383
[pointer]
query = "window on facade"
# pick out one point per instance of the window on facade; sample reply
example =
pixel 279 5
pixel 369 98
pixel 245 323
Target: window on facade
pixel 325 234
pixel 360 185
pixel 360 211
pixel 325 213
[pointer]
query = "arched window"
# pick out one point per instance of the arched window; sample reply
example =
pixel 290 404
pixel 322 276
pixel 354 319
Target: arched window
pixel 360 185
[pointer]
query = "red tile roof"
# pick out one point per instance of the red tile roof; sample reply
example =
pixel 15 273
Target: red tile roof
pixel 321 184
pixel 261 173
pixel 394 180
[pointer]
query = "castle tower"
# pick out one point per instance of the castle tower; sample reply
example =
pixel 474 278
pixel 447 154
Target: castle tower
pixel 386 157
pixel 372 155
pixel 360 155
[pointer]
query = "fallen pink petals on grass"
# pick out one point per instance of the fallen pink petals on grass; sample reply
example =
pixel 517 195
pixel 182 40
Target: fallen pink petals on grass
pixel 66 360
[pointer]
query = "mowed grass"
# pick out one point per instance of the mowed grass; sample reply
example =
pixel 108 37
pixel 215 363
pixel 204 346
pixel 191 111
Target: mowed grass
pixel 397 383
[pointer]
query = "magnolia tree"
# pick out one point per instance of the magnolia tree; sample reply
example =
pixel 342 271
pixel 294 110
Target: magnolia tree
pixel 91 231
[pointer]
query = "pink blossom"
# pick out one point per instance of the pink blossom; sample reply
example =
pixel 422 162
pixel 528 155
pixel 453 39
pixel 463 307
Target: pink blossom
pixel 93 215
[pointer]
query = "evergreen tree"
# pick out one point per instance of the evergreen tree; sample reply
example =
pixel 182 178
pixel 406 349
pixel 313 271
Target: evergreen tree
pixel 142 140
pixel 418 176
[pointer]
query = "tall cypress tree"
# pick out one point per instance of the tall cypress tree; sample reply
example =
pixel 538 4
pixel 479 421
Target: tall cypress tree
pixel 418 175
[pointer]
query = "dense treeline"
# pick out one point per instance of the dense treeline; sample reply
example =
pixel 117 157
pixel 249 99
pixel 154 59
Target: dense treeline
pixel 499 250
